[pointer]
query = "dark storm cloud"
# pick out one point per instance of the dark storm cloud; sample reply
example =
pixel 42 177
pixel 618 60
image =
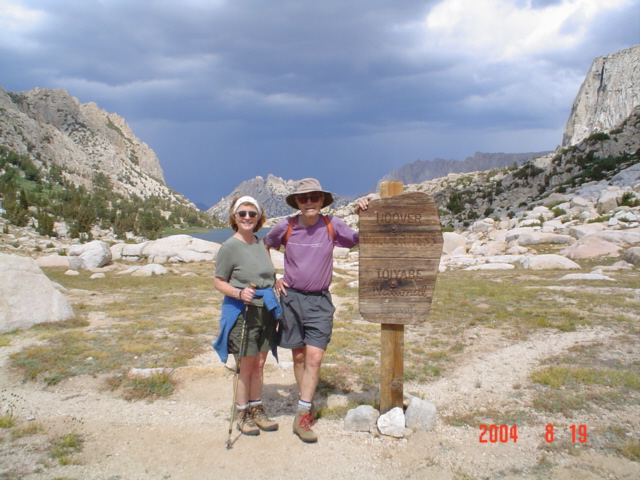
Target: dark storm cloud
pixel 344 90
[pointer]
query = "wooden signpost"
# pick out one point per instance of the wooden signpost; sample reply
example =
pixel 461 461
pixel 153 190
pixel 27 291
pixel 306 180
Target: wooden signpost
pixel 400 249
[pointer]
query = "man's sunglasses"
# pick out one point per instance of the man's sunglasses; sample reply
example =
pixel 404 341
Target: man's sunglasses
pixel 313 197
pixel 244 213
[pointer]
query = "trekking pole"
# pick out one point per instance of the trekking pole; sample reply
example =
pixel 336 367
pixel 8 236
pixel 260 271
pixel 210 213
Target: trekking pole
pixel 243 348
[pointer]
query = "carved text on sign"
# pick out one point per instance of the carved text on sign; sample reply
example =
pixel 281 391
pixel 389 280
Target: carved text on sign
pixel 398 217
pixel 400 248
pixel 403 273
pixel 398 240
pixel 418 292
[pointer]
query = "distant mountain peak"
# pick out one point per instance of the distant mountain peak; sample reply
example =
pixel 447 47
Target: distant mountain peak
pixel 424 170
pixel 270 192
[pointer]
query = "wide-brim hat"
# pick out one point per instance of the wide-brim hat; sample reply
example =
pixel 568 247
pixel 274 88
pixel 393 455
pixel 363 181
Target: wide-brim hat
pixel 309 185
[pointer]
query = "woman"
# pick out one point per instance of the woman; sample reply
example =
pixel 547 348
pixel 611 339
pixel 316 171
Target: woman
pixel 243 261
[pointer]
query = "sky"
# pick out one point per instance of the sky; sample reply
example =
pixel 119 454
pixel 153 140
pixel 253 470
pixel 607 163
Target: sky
pixel 341 90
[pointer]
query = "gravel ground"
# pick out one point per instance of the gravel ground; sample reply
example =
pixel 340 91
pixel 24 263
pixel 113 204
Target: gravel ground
pixel 184 437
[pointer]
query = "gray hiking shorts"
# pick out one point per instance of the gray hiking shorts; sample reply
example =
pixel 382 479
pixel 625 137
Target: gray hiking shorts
pixel 307 319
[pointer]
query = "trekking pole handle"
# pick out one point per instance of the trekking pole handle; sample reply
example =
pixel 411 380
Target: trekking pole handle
pixel 252 286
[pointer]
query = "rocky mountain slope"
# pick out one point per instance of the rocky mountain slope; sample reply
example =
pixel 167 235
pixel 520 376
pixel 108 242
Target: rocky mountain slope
pixel 599 161
pixel 423 170
pixel 270 191
pixel 72 169
pixel 608 95
pixel 54 128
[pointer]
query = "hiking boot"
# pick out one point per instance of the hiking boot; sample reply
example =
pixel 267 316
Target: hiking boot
pixel 313 411
pixel 246 425
pixel 302 427
pixel 260 418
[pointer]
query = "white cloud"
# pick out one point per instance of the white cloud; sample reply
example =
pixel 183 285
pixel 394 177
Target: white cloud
pixel 505 30
pixel 16 23
pixel 15 17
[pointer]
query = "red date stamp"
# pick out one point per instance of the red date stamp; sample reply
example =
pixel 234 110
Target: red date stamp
pixel 498 433
pixel 509 433
pixel 579 433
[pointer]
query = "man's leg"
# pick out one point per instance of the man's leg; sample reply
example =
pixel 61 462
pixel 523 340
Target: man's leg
pixel 311 373
pixel 298 355
pixel 309 362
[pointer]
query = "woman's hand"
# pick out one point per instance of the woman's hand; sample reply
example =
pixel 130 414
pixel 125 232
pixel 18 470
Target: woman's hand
pixel 247 294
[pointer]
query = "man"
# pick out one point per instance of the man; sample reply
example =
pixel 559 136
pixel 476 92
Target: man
pixel 308 270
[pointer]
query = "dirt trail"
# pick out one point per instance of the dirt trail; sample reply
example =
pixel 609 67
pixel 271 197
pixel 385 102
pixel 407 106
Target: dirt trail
pixel 184 437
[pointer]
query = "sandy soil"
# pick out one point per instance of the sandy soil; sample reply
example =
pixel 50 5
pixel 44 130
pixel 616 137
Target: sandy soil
pixel 185 436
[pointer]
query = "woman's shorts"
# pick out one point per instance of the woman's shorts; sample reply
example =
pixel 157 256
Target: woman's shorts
pixel 260 334
pixel 307 319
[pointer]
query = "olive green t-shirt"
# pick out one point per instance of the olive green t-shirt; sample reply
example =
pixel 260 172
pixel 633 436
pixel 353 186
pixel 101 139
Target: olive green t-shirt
pixel 241 264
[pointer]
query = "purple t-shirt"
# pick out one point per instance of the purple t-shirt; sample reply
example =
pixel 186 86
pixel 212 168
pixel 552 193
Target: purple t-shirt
pixel 308 256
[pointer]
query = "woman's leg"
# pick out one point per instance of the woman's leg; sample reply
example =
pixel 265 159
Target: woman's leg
pixel 256 376
pixel 245 379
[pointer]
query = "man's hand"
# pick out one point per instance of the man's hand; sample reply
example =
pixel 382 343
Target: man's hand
pixel 362 204
pixel 280 286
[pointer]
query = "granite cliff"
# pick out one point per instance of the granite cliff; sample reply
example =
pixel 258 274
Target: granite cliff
pixel 608 95
pixel 54 128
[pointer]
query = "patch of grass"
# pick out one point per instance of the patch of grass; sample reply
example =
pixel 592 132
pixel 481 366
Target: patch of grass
pixel 616 439
pixel 64 447
pixel 32 428
pixel 155 386
pixel 153 323
pixel 51 328
pixel 559 376
pixel 5 340
pixel 335 413
pixel 335 379
pixel 505 304
pixel 631 449
pixel 367 373
pixel 586 377
pixel 560 402
pixel 7 420
pixel 341 287
pixel 421 373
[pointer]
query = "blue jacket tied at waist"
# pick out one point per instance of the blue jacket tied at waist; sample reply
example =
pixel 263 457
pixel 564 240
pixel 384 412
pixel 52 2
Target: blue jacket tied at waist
pixel 231 310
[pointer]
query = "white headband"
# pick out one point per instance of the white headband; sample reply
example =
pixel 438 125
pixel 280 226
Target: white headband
pixel 247 199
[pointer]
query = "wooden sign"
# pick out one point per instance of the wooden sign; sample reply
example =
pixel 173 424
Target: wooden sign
pixel 400 249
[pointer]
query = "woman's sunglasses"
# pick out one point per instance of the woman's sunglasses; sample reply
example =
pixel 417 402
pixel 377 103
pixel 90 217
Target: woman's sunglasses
pixel 313 197
pixel 244 213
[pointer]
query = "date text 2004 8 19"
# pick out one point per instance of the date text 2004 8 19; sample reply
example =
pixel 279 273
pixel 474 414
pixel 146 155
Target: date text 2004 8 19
pixel 507 433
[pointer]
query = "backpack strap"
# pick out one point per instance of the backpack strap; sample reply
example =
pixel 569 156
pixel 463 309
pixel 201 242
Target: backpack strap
pixel 292 221
pixel 332 234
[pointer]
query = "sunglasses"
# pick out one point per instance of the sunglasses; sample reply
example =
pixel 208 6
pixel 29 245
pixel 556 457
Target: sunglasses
pixel 312 197
pixel 244 213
